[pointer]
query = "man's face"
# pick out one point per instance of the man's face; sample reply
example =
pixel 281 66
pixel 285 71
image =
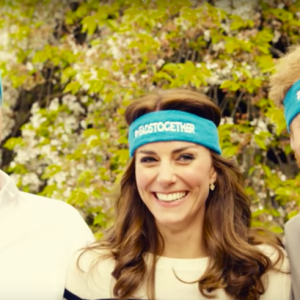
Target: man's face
pixel 295 138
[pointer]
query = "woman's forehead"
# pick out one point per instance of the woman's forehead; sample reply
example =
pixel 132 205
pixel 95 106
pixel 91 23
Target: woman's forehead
pixel 168 146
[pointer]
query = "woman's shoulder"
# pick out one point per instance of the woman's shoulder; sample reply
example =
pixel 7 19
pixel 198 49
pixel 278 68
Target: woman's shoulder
pixel 89 273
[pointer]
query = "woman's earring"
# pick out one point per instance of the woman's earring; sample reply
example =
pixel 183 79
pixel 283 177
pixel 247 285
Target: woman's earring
pixel 211 186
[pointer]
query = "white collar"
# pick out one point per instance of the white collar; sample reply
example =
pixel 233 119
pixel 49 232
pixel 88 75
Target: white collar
pixel 8 189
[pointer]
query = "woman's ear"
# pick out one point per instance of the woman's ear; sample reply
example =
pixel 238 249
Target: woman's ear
pixel 213 176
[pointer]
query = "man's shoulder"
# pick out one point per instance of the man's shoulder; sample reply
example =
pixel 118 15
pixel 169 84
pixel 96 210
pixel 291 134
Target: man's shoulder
pixel 293 224
pixel 58 215
pixel 53 208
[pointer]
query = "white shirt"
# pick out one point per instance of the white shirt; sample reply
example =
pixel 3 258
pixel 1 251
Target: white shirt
pixel 97 283
pixel 292 237
pixel 38 236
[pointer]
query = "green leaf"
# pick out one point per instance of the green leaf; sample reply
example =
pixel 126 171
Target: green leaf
pixel 73 87
pixel 258 212
pixel 237 23
pixel 276 229
pixel 230 151
pixel 78 198
pixel 86 177
pixel 274 212
pixel 266 170
pixel 90 132
pixel 123 140
pixel 51 170
pixel 265 62
pixel 100 220
pixel 292 214
pixel 49 190
pixel 230 85
pixel 67 74
pixel 251 170
pixel 96 86
pixel 256 223
pixel 187 13
pixel 231 46
pixel 18 169
pixel 276 116
pixel 283 191
pixel 13 142
pixel 264 36
pixel 171 67
pixel 260 141
pixel 89 24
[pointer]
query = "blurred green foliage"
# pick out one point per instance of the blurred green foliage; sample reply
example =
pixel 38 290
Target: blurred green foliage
pixel 70 71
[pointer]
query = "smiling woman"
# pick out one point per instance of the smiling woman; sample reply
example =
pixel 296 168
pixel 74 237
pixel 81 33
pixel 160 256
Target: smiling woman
pixel 173 181
pixel 182 227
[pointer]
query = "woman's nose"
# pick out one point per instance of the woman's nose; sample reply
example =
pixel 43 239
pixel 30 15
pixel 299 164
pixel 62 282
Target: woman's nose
pixel 166 174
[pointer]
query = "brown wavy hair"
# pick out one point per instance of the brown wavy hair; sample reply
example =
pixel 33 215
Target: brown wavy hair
pixel 287 72
pixel 236 264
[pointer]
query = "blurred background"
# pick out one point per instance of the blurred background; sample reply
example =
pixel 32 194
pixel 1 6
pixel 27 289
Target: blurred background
pixel 70 68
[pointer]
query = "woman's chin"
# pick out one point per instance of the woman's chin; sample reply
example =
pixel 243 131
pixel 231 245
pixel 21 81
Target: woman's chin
pixel 171 222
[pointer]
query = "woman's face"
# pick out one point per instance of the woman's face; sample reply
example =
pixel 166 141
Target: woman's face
pixel 173 181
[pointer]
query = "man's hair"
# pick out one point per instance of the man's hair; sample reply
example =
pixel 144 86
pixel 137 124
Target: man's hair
pixel 287 72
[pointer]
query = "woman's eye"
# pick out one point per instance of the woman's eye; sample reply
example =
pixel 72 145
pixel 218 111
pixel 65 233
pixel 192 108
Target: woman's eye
pixel 186 157
pixel 147 159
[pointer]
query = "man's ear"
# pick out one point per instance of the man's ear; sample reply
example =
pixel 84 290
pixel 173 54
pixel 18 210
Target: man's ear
pixel 294 129
pixel 292 142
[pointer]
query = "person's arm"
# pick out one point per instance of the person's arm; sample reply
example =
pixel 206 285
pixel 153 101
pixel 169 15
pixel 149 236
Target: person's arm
pixel 80 282
pixel 292 243
pixel 79 236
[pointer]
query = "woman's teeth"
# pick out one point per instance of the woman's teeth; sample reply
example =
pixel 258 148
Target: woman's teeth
pixel 170 197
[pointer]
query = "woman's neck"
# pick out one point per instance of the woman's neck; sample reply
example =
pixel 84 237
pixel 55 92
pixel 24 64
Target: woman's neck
pixel 186 243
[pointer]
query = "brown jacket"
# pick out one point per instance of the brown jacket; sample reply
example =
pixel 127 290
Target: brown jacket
pixel 292 243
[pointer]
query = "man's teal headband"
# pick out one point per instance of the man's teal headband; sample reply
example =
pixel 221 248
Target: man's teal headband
pixel 291 103
pixel 173 125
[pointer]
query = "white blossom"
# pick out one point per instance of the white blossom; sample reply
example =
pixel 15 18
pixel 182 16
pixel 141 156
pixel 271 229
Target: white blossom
pixel 90 139
pixel 54 105
pixel 32 180
pixel 283 177
pixel 37 120
pixel 160 62
pixel 207 35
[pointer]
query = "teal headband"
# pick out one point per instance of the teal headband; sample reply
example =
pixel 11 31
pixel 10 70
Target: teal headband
pixel 173 125
pixel 291 103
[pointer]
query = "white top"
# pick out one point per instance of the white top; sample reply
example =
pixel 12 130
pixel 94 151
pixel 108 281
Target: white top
pixel 292 237
pixel 98 284
pixel 38 236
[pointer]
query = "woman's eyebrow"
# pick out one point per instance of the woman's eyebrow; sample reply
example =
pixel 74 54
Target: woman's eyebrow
pixel 149 152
